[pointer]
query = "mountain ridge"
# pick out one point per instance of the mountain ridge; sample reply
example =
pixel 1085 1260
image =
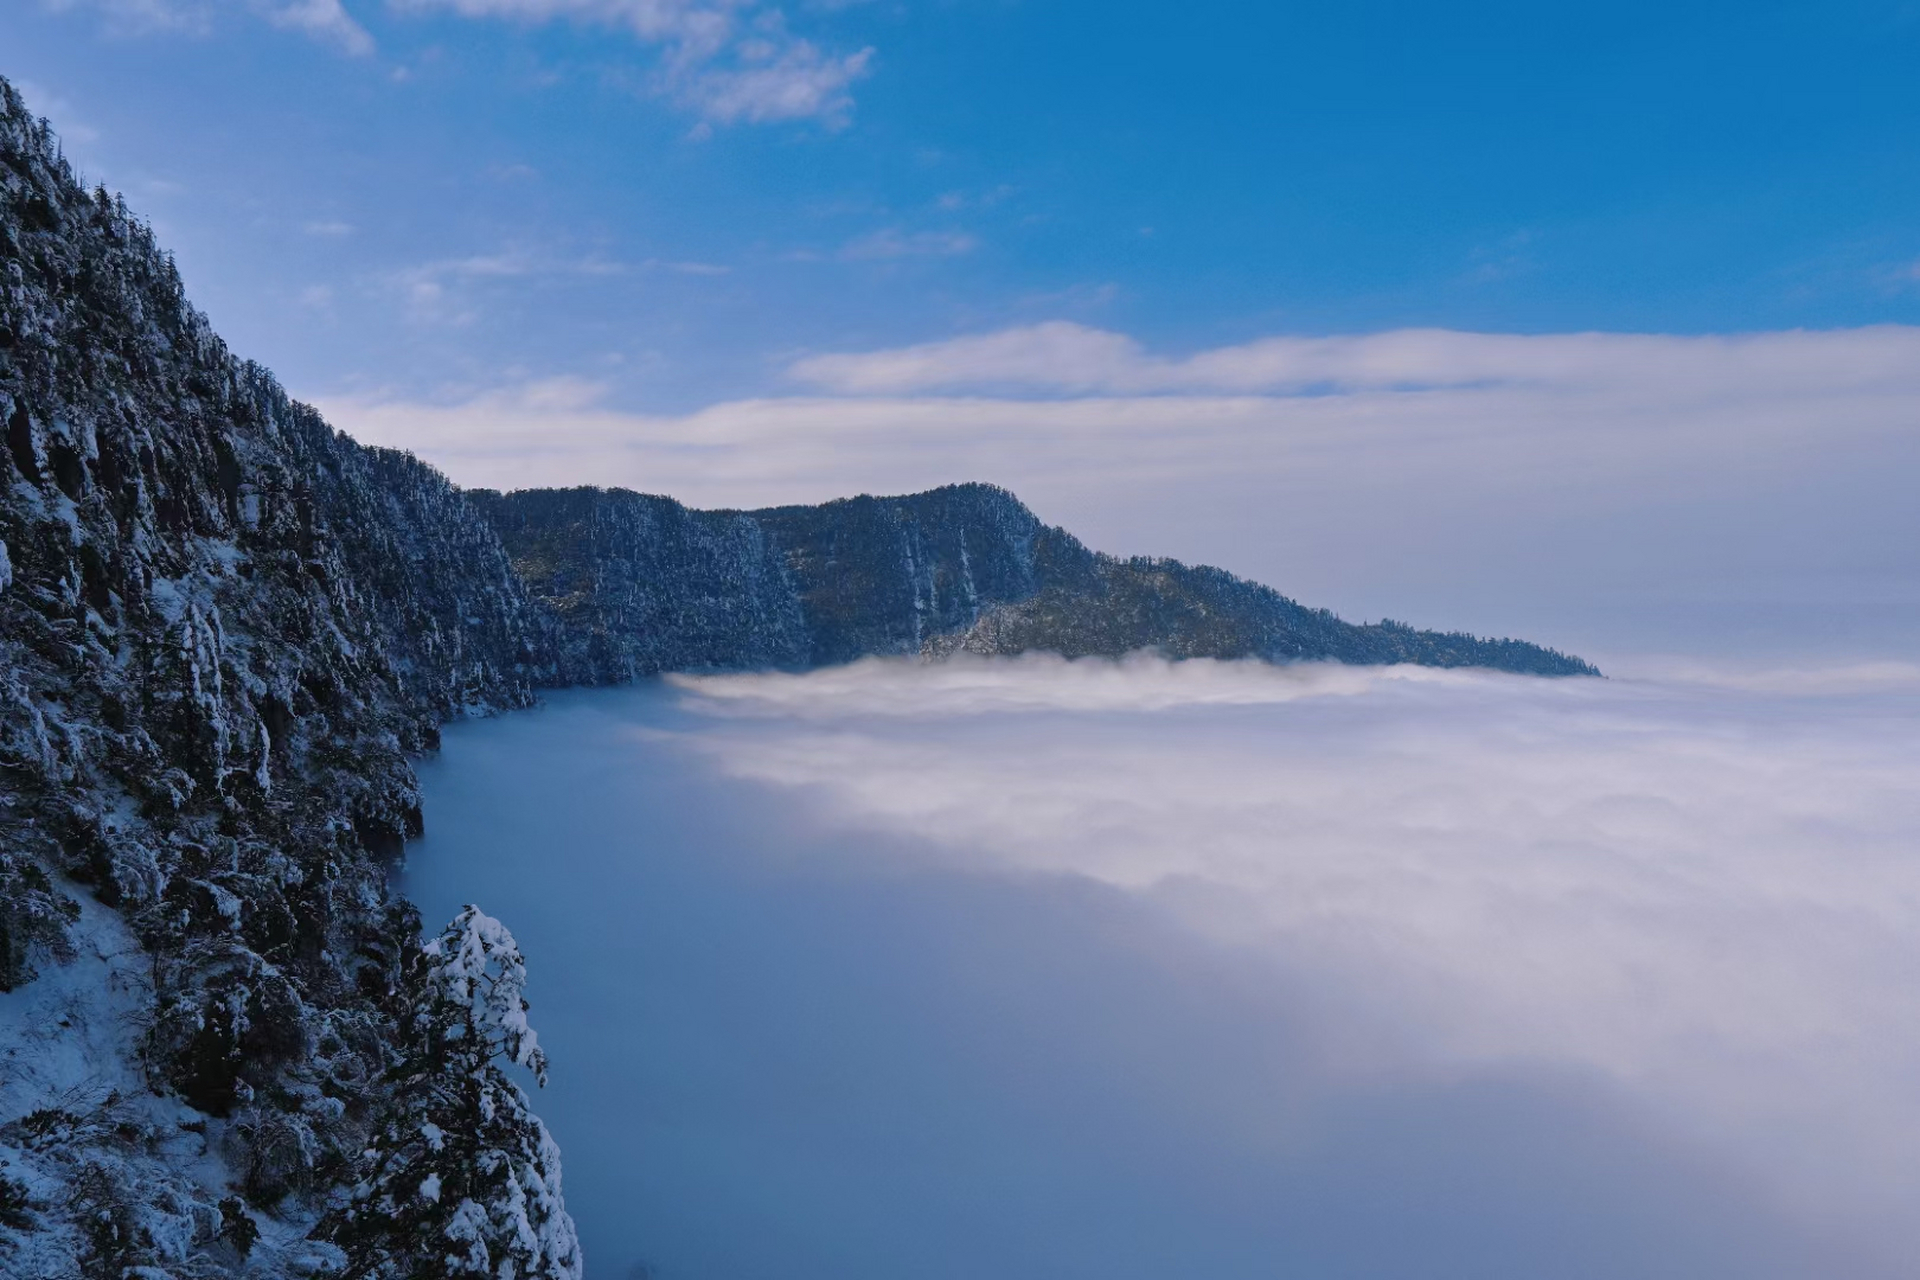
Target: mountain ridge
pixel 962 567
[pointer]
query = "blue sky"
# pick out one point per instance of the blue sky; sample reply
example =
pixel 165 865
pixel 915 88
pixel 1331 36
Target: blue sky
pixel 493 230
pixel 1192 176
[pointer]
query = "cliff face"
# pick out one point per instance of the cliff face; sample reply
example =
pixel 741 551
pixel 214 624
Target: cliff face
pixel 641 585
pixel 888 575
pixel 636 584
pixel 223 626
pixel 223 629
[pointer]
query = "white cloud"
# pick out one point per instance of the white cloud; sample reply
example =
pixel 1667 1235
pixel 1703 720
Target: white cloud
pixel 967 686
pixel 796 82
pixel 329 228
pixel 1496 482
pixel 1491 413
pixel 435 292
pixel 1055 355
pixel 730 61
pixel 449 291
pixel 324 20
pixel 137 17
pixel 1066 358
pixel 1704 894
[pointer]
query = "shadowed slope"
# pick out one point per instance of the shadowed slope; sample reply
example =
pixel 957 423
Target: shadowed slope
pixel 644 584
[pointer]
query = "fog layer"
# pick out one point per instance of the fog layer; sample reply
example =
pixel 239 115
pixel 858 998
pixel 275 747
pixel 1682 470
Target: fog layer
pixel 1043 969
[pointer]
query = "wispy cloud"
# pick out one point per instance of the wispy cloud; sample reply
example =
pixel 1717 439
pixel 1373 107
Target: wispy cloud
pixel 1060 357
pixel 331 228
pixel 729 61
pixel 1429 408
pixel 73 130
pixel 892 243
pixel 433 291
pixel 953 201
pixel 687 268
pixel 1503 259
pixel 1900 276
pixel 324 20
pixel 774 76
pixel 446 291
pixel 139 17
pixel 726 61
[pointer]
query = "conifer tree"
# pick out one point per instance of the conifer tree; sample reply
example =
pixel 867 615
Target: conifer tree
pixel 462 1179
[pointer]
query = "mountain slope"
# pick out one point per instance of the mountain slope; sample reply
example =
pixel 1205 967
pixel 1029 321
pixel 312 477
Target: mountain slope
pixel 643 584
pixel 223 626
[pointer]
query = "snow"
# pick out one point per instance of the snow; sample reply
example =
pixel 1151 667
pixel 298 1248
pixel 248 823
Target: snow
pixel 477 964
pixel 70 1033
pixel 69 1054
pixel 469 1227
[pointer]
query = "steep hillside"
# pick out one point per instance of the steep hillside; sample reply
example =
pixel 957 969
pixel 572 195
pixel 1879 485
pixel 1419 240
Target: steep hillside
pixel 223 626
pixel 643 584
pixel 638 584
pixel 1110 607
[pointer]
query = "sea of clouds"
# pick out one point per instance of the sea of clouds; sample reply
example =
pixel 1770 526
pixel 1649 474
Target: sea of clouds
pixel 1057 968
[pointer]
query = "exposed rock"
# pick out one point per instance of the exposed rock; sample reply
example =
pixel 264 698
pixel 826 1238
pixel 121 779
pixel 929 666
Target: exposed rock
pixel 224 626
pixel 642 584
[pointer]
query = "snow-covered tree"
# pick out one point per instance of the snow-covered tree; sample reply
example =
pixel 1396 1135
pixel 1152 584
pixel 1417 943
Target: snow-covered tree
pixel 462 1179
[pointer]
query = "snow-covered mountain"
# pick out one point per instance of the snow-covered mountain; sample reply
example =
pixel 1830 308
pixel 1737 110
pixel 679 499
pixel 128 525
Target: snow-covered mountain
pixel 224 627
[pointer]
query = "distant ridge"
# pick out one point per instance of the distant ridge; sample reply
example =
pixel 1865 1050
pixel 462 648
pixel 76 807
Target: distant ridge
pixel 643 584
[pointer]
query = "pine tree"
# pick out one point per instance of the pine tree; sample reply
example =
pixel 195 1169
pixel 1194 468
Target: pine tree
pixel 462 1179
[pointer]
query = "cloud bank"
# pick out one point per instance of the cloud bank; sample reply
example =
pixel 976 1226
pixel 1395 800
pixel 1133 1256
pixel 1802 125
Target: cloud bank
pixel 1068 358
pixel 1702 894
pixel 1387 473
pixel 1041 969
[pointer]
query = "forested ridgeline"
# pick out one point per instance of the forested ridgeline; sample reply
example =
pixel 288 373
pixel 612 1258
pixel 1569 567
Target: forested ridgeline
pixel 642 584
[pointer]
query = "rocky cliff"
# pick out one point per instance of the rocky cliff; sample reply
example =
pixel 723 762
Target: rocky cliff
pixel 223 629
pixel 642 584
